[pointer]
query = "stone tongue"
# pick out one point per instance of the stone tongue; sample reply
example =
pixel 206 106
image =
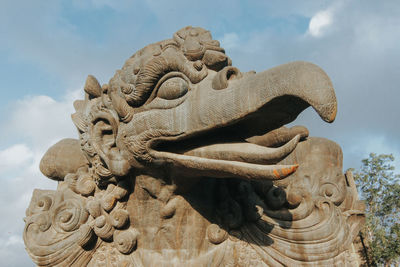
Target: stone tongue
pixel 279 136
pixel 198 166
pixel 245 152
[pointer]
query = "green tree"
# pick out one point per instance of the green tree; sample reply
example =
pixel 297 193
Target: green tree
pixel 380 189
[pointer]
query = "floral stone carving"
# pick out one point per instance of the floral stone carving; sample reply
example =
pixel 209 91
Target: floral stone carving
pixel 185 161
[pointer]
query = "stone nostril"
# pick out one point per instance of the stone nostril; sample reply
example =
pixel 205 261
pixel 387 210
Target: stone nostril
pixel 223 77
pixel 231 74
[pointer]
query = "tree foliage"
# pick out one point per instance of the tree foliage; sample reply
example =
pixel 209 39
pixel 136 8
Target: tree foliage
pixel 379 187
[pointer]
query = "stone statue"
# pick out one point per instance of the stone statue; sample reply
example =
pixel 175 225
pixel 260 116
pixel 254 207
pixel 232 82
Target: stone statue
pixel 183 160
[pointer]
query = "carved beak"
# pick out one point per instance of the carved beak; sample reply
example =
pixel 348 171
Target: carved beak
pixel 212 127
pixel 264 101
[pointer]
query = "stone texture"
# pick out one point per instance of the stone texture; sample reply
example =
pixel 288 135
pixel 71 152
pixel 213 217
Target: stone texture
pixel 185 161
pixel 62 158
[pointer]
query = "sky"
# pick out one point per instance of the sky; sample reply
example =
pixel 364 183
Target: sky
pixel 48 47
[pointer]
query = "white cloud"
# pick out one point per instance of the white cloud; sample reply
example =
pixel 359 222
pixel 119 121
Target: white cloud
pixel 14 156
pixel 42 120
pixel 325 19
pixel 320 22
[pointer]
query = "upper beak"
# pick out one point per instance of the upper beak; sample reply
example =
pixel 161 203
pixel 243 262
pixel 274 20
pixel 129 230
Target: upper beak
pixel 263 101
pixel 260 102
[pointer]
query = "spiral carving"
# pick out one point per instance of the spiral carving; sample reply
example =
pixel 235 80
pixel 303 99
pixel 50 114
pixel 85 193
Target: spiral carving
pixel 42 204
pixel 69 215
pixel 119 218
pixel 56 227
pixel 125 241
pixel 335 192
pixel 85 185
pixel 103 228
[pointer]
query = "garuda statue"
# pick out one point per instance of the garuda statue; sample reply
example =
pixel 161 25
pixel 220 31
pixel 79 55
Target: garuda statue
pixel 183 160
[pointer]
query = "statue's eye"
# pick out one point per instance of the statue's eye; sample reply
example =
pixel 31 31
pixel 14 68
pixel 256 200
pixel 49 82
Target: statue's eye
pixel 173 88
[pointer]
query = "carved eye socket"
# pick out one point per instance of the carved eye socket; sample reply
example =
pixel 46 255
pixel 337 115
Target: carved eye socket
pixel 173 88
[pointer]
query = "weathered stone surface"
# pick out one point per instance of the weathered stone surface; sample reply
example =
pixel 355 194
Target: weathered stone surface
pixel 62 158
pixel 185 161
